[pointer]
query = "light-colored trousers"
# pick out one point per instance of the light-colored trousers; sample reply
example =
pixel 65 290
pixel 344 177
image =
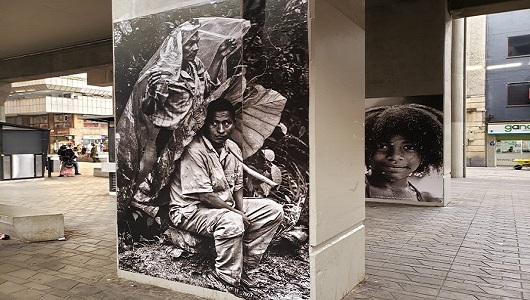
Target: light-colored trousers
pixel 235 246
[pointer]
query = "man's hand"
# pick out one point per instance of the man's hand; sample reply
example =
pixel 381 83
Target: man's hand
pixel 154 79
pixel 246 221
pixel 212 200
pixel 227 47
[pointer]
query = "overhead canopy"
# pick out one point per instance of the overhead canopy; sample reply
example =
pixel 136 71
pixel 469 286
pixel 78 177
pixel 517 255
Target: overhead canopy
pixel 10 126
pixel 105 119
pixel 469 8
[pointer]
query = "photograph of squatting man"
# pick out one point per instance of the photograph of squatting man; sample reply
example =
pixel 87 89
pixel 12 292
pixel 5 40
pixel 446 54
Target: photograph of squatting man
pixel 206 197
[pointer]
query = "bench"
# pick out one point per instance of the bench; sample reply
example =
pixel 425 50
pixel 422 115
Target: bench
pixel 31 225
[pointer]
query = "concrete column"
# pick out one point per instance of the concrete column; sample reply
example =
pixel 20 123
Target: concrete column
pixel 103 76
pixel 5 90
pixel 458 99
pixel 336 120
pixel 491 155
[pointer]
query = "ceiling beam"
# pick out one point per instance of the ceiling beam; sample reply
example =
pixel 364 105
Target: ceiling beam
pixel 469 8
pixel 63 61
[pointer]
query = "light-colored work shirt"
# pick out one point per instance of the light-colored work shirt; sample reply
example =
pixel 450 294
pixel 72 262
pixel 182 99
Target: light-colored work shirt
pixel 202 170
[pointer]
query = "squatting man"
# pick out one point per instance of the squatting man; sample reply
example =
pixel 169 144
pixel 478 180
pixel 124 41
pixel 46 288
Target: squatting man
pixel 207 199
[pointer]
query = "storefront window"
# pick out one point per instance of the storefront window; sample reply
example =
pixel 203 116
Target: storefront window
pixel 513 146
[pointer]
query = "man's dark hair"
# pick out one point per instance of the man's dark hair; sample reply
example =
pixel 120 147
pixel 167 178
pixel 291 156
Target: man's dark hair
pixel 221 104
pixel 419 124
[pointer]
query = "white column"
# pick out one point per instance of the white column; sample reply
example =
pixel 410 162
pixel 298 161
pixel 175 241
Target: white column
pixel 458 99
pixel 336 126
pixel 491 155
pixel 5 90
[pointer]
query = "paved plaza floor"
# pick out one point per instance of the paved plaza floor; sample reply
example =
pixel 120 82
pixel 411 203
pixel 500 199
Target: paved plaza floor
pixel 477 247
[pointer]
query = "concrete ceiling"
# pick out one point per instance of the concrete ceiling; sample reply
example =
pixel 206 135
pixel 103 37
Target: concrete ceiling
pixel 34 26
pixel 43 38
pixel 468 8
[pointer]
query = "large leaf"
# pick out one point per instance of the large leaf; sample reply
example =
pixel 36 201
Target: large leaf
pixel 260 114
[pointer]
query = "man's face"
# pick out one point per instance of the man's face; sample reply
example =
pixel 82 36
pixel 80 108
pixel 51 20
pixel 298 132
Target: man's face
pixel 190 48
pixel 219 127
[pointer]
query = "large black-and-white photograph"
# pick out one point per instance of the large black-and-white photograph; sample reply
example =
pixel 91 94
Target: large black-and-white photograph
pixel 212 147
pixel 404 150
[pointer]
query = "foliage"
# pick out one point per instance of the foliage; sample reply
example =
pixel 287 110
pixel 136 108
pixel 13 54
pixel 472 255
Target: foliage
pixel 276 56
pixel 283 274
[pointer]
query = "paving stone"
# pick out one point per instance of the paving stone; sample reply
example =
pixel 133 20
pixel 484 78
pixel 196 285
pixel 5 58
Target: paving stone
pixel 483 223
pixel 526 294
pixel 424 290
pixel 462 295
pixel 68 276
pixel 7 267
pixel 85 289
pixel 97 262
pixel 91 274
pixel 429 271
pixel 10 278
pixel 43 278
pixel 48 250
pixel 425 279
pixel 365 293
pixel 70 269
pixel 36 286
pixel 50 297
pixel 62 284
pixel 464 287
pixel 10 287
pixel 480 240
pixel 50 272
pixel 29 294
pixel 20 258
pixel 504 282
pixel 409 296
pixel 6 296
pixel 503 292
pixel 22 273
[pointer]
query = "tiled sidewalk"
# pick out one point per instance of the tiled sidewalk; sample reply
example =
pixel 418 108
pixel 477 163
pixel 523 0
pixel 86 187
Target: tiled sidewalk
pixel 83 266
pixel 478 247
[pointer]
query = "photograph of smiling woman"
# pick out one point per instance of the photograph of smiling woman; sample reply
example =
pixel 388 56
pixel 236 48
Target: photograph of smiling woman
pixel 404 144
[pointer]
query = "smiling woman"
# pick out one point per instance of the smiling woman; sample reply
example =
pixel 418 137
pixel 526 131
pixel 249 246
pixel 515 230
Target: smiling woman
pixel 402 141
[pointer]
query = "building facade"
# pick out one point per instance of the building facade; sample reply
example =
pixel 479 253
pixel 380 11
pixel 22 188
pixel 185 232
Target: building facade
pixel 498 89
pixel 59 104
pixel 508 85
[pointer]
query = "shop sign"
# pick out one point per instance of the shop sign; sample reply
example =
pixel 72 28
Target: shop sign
pixel 508 128
pixel 62 131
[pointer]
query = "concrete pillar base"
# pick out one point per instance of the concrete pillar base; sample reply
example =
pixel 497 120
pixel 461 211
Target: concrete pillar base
pixel 31 225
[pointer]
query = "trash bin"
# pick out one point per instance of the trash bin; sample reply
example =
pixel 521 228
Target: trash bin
pixel 54 164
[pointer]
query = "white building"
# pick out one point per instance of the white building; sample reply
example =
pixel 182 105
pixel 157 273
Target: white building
pixel 58 103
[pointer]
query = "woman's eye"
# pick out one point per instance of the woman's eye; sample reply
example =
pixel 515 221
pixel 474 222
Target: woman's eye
pixel 382 146
pixel 225 124
pixel 409 147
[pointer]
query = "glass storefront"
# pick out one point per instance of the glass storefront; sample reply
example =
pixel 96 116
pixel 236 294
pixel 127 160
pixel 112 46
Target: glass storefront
pixel 508 150
pixel 512 146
